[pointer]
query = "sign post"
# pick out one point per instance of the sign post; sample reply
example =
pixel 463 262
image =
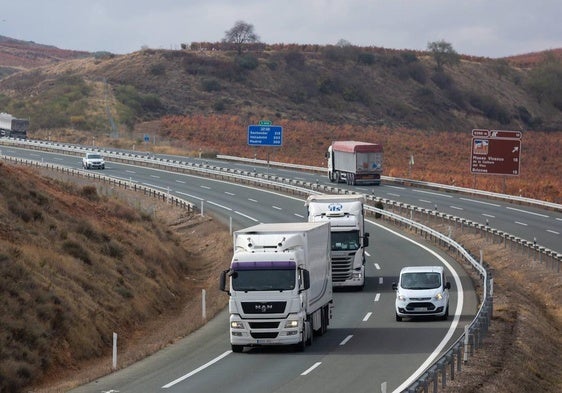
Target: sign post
pixel 496 152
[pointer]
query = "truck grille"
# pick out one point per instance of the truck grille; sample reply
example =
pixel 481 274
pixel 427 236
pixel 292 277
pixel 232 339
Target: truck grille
pixel 264 307
pixel 341 267
pixel 264 335
pixel 264 325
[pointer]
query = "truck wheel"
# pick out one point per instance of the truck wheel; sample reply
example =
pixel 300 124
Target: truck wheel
pixel 332 177
pixel 237 348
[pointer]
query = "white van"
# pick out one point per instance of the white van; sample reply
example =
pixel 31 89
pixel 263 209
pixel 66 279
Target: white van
pixel 422 291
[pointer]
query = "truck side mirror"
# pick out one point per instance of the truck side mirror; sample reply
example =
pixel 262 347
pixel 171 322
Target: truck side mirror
pixel 222 281
pixel 305 280
pixel 366 239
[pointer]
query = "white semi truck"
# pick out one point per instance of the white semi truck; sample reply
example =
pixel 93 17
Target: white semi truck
pixel 349 240
pixel 355 162
pixel 280 285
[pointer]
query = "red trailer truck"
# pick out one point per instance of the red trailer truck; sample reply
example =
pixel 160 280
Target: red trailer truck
pixel 355 162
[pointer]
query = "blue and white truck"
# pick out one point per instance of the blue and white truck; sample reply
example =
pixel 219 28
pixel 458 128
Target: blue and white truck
pixel 345 213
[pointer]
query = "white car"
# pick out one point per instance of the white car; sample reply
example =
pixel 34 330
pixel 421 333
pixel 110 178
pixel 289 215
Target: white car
pixel 422 291
pixel 93 161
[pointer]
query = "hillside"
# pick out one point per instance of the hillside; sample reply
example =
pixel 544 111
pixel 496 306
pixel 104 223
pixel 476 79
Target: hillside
pixel 79 262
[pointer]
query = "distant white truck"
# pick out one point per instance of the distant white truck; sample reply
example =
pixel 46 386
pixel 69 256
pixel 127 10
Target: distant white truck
pixel 93 161
pixel 355 162
pixel 280 285
pixel 13 127
pixel 345 213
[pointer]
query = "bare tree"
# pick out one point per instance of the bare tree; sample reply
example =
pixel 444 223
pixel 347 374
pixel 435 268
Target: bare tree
pixel 443 53
pixel 242 33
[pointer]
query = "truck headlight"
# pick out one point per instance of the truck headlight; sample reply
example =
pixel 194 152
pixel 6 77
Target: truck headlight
pixel 236 325
pixel 291 323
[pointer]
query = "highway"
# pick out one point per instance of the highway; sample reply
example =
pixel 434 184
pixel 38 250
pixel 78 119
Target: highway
pixel 364 346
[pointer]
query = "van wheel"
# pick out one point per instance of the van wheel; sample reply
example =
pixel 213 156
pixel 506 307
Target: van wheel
pixel 398 318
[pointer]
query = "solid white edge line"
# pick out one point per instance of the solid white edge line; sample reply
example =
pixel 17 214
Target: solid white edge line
pixel 210 363
pixel 245 215
pixel 311 368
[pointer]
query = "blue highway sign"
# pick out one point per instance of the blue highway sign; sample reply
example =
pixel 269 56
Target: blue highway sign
pixel 265 135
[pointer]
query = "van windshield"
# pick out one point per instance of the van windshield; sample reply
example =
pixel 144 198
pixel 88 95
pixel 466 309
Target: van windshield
pixel 420 280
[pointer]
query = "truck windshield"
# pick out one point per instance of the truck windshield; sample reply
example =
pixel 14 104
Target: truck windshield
pixel 264 276
pixel 425 280
pixel 345 241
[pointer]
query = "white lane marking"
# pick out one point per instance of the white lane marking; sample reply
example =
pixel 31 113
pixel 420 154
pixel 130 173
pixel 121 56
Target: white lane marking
pixel 180 181
pixel 377 266
pixel 219 205
pixel 456 207
pixel 155 176
pixel 205 187
pixel 551 231
pixel 397 187
pixel 377 297
pixel 424 200
pixel 558 219
pixel 521 223
pixel 366 253
pixel 433 193
pixel 393 194
pixel 189 195
pixel 346 340
pixel 527 212
pixel 311 368
pixel 480 202
pixel 229 193
pixel 244 215
pixel 381 280
pixel 299 215
pixel 252 200
pixel 367 316
pixel 184 377
pixel 129 171
pixel 276 207
pixel 488 215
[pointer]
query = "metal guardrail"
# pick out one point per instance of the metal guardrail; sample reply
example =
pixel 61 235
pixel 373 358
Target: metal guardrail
pixel 152 192
pixel 423 184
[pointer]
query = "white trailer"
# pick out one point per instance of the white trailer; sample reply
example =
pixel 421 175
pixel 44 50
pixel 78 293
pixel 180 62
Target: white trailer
pixel 13 127
pixel 355 162
pixel 280 285
pixel 349 240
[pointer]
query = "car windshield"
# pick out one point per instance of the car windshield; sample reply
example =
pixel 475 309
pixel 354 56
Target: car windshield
pixel 345 241
pixel 420 280
pixel 94 156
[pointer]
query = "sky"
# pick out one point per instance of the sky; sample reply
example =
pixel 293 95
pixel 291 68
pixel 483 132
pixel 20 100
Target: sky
pixel 489 28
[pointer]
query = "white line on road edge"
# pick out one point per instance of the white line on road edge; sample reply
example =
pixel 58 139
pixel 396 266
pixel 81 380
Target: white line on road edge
pixel 311 368
pixel 169 385
pixel 245 215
